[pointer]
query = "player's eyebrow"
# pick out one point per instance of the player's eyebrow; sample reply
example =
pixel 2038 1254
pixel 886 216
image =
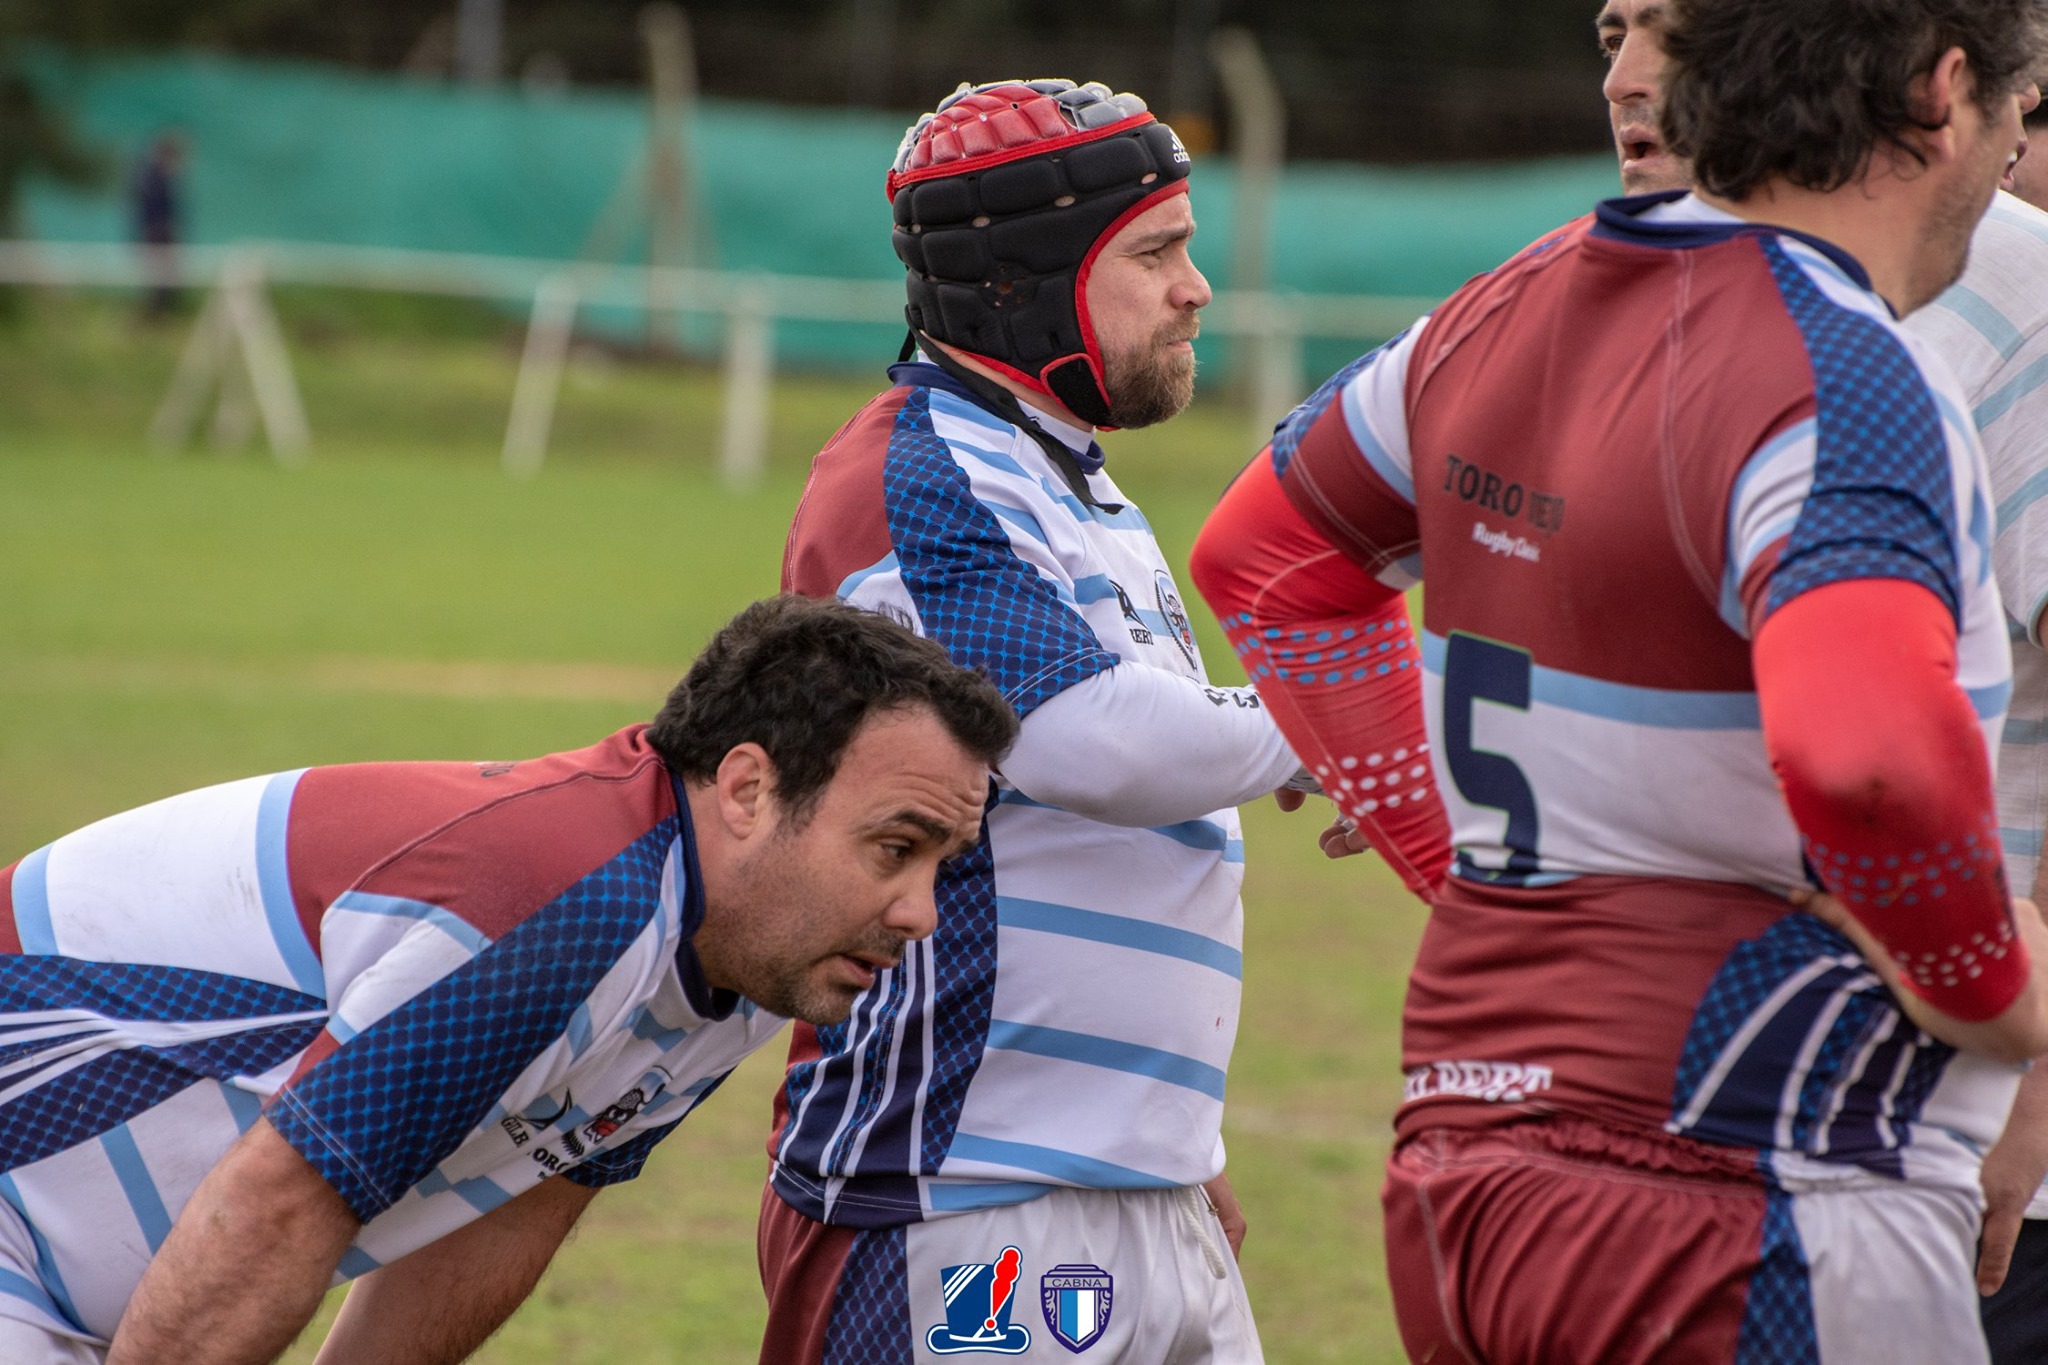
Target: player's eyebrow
pixel 1153 241
pixel 938 831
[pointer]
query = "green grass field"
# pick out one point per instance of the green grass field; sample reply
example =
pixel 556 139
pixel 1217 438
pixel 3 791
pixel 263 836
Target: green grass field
pixel 174 622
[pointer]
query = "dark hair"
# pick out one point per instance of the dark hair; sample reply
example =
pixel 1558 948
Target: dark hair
pixel 1806 90
pixel 798 677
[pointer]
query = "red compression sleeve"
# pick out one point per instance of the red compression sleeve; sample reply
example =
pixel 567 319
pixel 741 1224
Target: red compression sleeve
pixel 1332 653
pixel 1885 770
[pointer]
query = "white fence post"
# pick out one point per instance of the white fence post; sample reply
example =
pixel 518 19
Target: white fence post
pixel 540 376
pixel 749 383
pixel 1277 383
pixel 268 363
pixel 236 316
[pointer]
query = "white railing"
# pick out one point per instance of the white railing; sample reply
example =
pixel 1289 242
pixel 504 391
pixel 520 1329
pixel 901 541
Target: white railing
pixel 237 319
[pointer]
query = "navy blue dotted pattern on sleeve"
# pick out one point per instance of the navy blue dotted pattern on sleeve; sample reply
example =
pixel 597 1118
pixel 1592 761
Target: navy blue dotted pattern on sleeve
pixel 390 1104
pixel 988 608
pixel 102 1094
pixel 1883 500
pixel 1287 436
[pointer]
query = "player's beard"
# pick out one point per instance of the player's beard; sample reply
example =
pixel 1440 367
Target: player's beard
pixel 1153 381
pixel 771 951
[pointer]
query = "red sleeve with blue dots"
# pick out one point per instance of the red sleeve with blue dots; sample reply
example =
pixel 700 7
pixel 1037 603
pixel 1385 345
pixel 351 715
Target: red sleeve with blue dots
pixel 1888 778
pixel 1335 658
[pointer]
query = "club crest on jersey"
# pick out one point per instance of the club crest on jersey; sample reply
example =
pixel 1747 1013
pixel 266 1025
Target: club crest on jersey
pixel 1141 634
pixel 615 1116
pixel 1176 615
pixel 1076 1301
pixel 979 1297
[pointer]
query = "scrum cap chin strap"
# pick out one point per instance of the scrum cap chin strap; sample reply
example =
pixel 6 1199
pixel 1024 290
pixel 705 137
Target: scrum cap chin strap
pixel 1004 404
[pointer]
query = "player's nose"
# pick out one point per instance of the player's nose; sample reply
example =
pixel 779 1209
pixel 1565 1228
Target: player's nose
pixel 914 913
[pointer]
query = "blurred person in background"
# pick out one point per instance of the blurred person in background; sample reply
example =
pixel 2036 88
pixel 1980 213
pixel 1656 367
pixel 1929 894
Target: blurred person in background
pixel 156 197
pixel 1630 1063
pixel 350 1023
pixel 1014 1145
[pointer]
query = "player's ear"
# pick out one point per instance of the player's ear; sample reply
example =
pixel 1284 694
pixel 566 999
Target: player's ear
pixel 1934 97
pixel 746 789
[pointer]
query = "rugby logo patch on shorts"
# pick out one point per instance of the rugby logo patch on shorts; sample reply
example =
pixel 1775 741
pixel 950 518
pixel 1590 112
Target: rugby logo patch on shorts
pixel 979 1297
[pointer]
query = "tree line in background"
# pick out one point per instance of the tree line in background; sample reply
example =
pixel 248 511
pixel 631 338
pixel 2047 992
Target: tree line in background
pixel 1363 80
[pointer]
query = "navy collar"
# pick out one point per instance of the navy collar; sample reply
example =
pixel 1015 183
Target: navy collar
pixel 1622 220
pixel 708 1001
pixel 922 374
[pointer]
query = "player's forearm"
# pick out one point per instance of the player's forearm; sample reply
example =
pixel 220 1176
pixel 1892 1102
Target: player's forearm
pixel 1887 777
pixel 1142 747
pixel 245 1265
pixel 1333 653
pixel 436 1306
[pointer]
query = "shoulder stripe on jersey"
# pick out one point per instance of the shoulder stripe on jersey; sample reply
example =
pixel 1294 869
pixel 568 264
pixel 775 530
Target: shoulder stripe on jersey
pixel 2002 402
pixel 1110 1054
pixel 994 459
pixel 951 405
pixel 32 904
pixel 46 1264
pixel 273 819
pixel 1359 422
pixel 1650 706
pixel 1287 436
pixel 1020 519
pixel 888 564
pixel 377 1115
pixel 1120 931
pixel 144 1199
pixel 1069 1167
pixel 1883 498
pixel 472 939
pixel 1985 319
pixel 976 597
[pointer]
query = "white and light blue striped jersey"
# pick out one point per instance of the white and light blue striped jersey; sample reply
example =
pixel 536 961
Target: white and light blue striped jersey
pixel 440 982
pixel 1992 329
pixel 1071 1021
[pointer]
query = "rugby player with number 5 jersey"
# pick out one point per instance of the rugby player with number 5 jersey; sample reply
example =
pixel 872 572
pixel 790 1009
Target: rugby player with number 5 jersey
pixel 1723 993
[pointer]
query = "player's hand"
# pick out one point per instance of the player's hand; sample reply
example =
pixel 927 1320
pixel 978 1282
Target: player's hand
pixel 1342 839
pixel 1288 799
pixel 2018 1034
pixel 1224 1202
pixel 2013 1171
